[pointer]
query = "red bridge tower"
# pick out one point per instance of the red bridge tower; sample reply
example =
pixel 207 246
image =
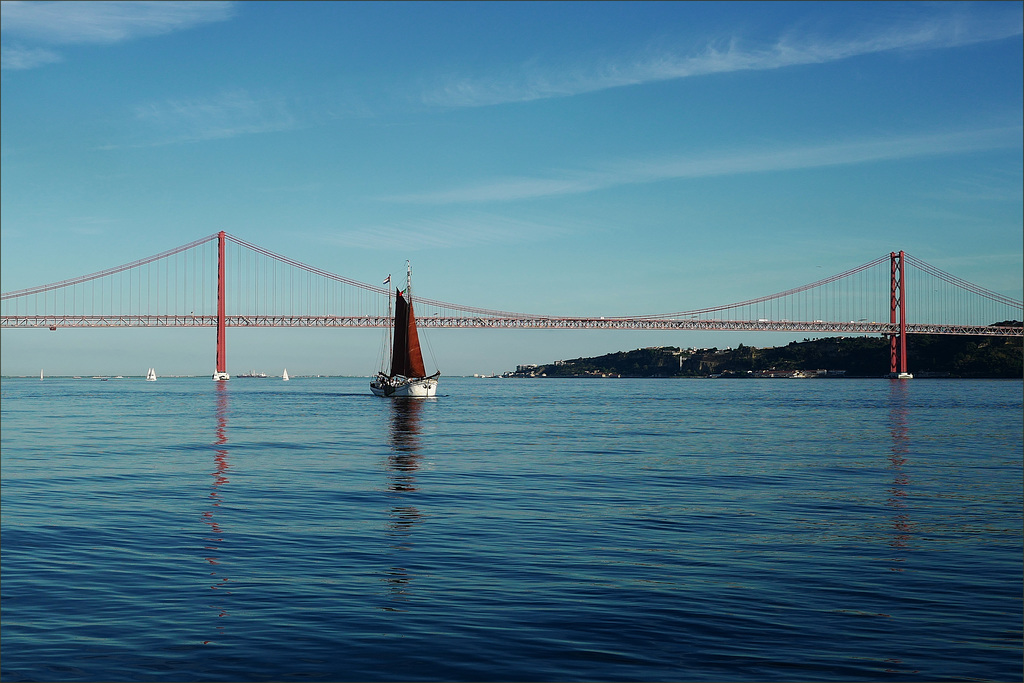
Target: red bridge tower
pixel 221 373
pixel 898 314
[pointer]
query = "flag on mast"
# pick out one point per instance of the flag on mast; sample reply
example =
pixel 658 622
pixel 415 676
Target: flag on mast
pixel 388 280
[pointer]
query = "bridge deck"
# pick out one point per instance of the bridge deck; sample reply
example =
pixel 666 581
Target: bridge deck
pixel 521 323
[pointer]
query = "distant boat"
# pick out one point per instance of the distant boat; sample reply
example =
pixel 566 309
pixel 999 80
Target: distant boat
pixel 151 375
pixel 407 376
pixel 285 375
pixel 253 373
pixel 40 374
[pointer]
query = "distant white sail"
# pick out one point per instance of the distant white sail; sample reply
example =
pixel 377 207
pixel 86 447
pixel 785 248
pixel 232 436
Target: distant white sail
pixel 151 375
pixel 285 375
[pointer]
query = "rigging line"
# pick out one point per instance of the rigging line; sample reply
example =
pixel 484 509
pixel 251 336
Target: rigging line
pixel 430 349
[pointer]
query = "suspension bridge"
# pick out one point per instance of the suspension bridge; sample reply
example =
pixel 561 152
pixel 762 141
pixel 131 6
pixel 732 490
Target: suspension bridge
pixel 221 281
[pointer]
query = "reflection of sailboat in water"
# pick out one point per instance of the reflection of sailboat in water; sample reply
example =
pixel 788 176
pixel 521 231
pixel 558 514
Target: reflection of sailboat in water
pixel 407 376
pixel 402 465
pixel 220 459
pixel 405 443
pixel 901 524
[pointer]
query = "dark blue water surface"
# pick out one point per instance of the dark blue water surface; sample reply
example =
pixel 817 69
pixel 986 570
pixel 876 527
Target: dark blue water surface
pixel 511 530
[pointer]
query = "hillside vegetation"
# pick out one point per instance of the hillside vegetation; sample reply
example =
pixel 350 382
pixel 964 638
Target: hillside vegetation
pixel 928 355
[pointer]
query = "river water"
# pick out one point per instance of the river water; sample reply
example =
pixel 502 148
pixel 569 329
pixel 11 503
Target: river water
pixel 746 530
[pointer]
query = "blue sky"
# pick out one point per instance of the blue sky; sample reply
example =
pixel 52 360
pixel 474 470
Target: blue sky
pixel 576 158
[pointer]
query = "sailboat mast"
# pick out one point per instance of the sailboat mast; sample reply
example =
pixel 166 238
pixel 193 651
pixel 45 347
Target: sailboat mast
pixel 408 278
pixel 388 340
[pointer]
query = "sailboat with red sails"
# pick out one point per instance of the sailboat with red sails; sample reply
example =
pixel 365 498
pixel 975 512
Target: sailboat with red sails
pixel 407 376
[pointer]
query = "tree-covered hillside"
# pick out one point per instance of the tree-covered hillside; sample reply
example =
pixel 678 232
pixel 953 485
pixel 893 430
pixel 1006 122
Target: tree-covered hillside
pixel 928 355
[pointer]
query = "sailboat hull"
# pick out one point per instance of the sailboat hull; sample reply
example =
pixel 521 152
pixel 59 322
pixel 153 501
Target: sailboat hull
pixel 404 387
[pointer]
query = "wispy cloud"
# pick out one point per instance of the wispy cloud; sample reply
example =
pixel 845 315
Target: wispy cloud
pixel 231 113
pixel 66 23
pixel 722 163
pixel 105 22
pixel 18 57
pixel 995 185
pixel 952 29
pixel 90 225
pixel 469 230
pixel 226 115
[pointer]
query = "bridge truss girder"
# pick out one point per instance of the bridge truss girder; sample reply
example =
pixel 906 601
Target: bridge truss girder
pixel 508 323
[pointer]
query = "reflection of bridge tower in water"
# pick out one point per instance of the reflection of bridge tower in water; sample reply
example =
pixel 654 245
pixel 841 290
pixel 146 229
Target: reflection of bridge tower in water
pixel 220 478
pixel 402 464
pixel 902 527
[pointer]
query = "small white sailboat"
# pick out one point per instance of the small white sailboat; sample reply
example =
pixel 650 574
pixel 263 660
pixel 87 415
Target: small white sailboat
pixel 284 376
pixel 40 374
pixel 407 376
pixel 151 375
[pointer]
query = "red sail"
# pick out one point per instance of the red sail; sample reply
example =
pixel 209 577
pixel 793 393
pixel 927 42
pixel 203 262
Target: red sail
pixel 406 357
pixel 413 355
pixel 398 353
